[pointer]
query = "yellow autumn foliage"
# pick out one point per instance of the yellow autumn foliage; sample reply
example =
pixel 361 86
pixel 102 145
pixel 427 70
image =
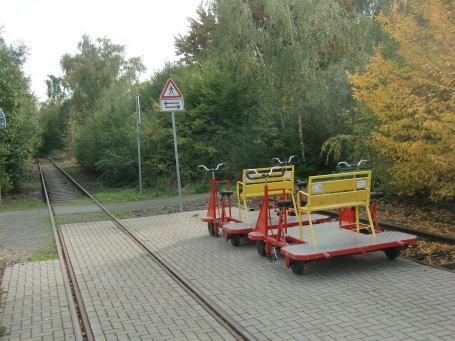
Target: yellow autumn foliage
pixel 413 97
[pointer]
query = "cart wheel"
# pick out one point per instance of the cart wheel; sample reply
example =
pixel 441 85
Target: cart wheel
pixel 211 229
pixel 260 247
pixel 235 239
pixel 297 266
pixel 392 252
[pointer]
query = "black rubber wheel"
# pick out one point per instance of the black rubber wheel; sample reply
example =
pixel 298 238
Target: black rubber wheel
pixel 211 229
pixel 392 252
pixel 235 239
pixel 260 247
pixel 297 266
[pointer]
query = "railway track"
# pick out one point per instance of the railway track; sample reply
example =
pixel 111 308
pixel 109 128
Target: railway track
pixel 63 188
pixel 59 187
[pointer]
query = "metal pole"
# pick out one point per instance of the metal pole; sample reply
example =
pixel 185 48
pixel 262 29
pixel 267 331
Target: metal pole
pixel 138 122
pixel 177 162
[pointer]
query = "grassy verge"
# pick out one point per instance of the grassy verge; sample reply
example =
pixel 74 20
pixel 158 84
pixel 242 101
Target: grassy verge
pixel 21 205
pixel 43 255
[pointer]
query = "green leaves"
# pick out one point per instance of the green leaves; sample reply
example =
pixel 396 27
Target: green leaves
pixel 97 66
pixel 20 139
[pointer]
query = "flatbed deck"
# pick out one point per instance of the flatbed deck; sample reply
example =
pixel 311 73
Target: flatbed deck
pixel 331 240
pixel 244 227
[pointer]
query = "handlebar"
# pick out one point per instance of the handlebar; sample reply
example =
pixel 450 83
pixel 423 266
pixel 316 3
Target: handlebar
pixel 219 167
pixel 344 166
pixel 275 172
pixel 363 164
pixel 293 160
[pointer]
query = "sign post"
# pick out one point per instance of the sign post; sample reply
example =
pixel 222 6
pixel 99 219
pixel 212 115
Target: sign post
pixel 2 120
pixel 2 125
pixel 138 133
pixel 171 99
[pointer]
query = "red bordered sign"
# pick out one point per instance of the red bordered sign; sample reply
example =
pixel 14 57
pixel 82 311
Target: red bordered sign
pixel 171 91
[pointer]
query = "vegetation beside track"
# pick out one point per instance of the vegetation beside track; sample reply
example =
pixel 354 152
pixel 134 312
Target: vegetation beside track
pixel 424 217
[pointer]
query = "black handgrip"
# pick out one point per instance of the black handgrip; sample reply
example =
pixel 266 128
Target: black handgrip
pixel 276 161
pixel 272 174
pixel 344 166
pixel 202 168
pixel 364 164
pixel 219 167
pixel 376 195
pixel 293 160
pixel 301 184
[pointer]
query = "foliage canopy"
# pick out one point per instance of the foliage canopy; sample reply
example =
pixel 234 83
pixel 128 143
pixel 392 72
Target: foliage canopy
pixel 412 95
pixel 20 139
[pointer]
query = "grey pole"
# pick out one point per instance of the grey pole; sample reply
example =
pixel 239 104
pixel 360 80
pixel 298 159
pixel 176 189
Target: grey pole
pixel 138 133
pixel 177 162
pixel 2 125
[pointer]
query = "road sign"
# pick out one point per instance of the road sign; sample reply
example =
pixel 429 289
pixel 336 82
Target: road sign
pixel 2 120
pixel 171 91
pixel 171 104
pixel 171 98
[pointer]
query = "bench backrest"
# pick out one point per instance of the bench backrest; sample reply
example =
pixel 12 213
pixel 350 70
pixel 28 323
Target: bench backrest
pixel 275 183
pixel 338 190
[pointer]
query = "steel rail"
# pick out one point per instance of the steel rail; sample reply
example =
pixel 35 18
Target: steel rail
pixel 232 323
pixel 69 295
pixel 423 235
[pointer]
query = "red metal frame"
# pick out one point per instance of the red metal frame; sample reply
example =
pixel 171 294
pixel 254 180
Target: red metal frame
pixel 216 211
pixel 347 217
pixel 355 250
pixel 347 220
pixel 275 235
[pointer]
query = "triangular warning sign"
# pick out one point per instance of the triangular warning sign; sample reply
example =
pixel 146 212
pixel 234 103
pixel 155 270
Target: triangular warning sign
pixel 171 90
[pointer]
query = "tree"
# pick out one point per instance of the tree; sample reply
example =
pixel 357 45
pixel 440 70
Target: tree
pixel 20 139
pixel 96 67
pixel 192 45
pixel 106 142
pixel 298 52
pixel 412 95
pixel 55 89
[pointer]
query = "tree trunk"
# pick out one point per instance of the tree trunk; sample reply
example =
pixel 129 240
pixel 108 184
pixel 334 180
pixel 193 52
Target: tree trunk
pixel 301 136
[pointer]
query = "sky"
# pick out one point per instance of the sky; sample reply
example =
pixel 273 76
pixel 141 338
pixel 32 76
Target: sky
pixel 51 28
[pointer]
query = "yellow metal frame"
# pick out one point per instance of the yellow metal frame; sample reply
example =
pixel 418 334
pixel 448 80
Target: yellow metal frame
pixel 334 191
pixel 251 188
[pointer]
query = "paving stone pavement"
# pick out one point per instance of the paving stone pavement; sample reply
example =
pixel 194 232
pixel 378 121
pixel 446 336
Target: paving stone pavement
pixel 346 298
pixel 129 297
pixel 35 305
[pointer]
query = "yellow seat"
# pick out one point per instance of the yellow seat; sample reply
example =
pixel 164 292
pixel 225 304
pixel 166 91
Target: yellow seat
pixel 254 187
pixel 334 191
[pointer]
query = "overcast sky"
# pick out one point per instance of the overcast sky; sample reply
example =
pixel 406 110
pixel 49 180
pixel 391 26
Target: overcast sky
pixel 51 28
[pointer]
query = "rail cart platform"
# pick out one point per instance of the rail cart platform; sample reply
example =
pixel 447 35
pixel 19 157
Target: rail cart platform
pixel 234 231
pixel 244 227
pixel 335 241
pixel 345 192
